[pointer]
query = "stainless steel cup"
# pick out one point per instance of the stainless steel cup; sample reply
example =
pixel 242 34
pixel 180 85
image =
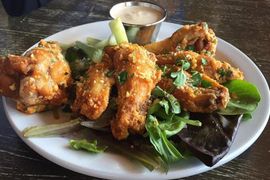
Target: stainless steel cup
pixel 141 34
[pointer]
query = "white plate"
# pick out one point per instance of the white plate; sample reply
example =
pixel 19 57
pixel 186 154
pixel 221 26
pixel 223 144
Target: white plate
pixel 115 166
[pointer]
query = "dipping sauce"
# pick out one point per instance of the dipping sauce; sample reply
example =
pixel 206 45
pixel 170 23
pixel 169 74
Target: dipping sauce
pixel 139 15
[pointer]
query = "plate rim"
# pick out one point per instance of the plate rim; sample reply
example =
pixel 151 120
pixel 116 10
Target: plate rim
pixel 101 174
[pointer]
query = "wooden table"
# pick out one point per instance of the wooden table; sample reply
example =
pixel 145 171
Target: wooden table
pixel 245 24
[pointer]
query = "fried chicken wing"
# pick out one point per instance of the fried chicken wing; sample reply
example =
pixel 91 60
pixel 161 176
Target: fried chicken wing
pixel 196 37
pixel 92 94
pixel 218 70
pixel 198 99
pixel 36 80
pixel 137 75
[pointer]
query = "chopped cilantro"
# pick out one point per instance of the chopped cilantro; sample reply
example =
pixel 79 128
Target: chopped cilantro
pixel 206 84
pixel 179 78
pixel 196 79
pixel 204 61
pixel 185 65
pixel 183 62
pixel 221 72
pixel 122 77
pixel 190 48
pixel 224 73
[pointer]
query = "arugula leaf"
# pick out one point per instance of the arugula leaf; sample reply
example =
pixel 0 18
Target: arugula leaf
pixel 172 127
pixel 159 140
pixel 154 107
pixel 246 116
pixel 170 124
pixel 188 121
pixel 173 102
pixel 122 77
pixel 165 104
pixel 244 98
pixel 86 145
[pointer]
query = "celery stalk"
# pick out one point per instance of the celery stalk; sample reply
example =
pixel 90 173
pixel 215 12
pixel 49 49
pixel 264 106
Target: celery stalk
pixel 118 30
pixel 92 41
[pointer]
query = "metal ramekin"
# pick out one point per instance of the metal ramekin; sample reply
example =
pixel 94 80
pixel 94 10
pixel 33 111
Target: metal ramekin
pixel 141 34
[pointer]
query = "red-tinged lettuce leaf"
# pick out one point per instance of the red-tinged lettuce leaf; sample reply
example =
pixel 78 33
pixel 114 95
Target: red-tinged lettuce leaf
pixel 212 141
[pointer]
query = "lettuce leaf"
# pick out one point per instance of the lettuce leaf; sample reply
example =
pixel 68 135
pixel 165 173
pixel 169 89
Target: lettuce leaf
pixel 86 145
pixel 244 98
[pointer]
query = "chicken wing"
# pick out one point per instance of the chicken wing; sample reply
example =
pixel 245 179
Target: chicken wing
pixel 137 75
pixel 197 98
pixel 197 37
pixel 218 70
pixel 38 79
pixel 92 94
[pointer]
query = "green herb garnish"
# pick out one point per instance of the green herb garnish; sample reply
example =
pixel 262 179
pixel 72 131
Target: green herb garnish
pixel 163 120
pixel 205 84
pixel 196 79
pixel 173 102
pixel 179 76
pixel 190 48
pixel 122 77
pixel 224 73
pixel 204 61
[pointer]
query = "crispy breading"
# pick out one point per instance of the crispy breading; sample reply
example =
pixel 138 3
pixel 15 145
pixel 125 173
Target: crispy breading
pixel 198 37
pixel 139 67
pixel 198 99
pixel 92 94
pixel 40 78
pixel 218 70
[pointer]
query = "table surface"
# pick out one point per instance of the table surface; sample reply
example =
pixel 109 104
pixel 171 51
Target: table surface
pixel 243 23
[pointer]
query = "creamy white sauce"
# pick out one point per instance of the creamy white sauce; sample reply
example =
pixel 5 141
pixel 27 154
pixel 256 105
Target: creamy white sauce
pixel 139 15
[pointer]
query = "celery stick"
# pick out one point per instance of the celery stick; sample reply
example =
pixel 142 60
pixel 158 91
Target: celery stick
pixel 118 30
pixel 102 44
pixel 97 55
pixel 92 41
pixel 88 50
pixel 112 40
